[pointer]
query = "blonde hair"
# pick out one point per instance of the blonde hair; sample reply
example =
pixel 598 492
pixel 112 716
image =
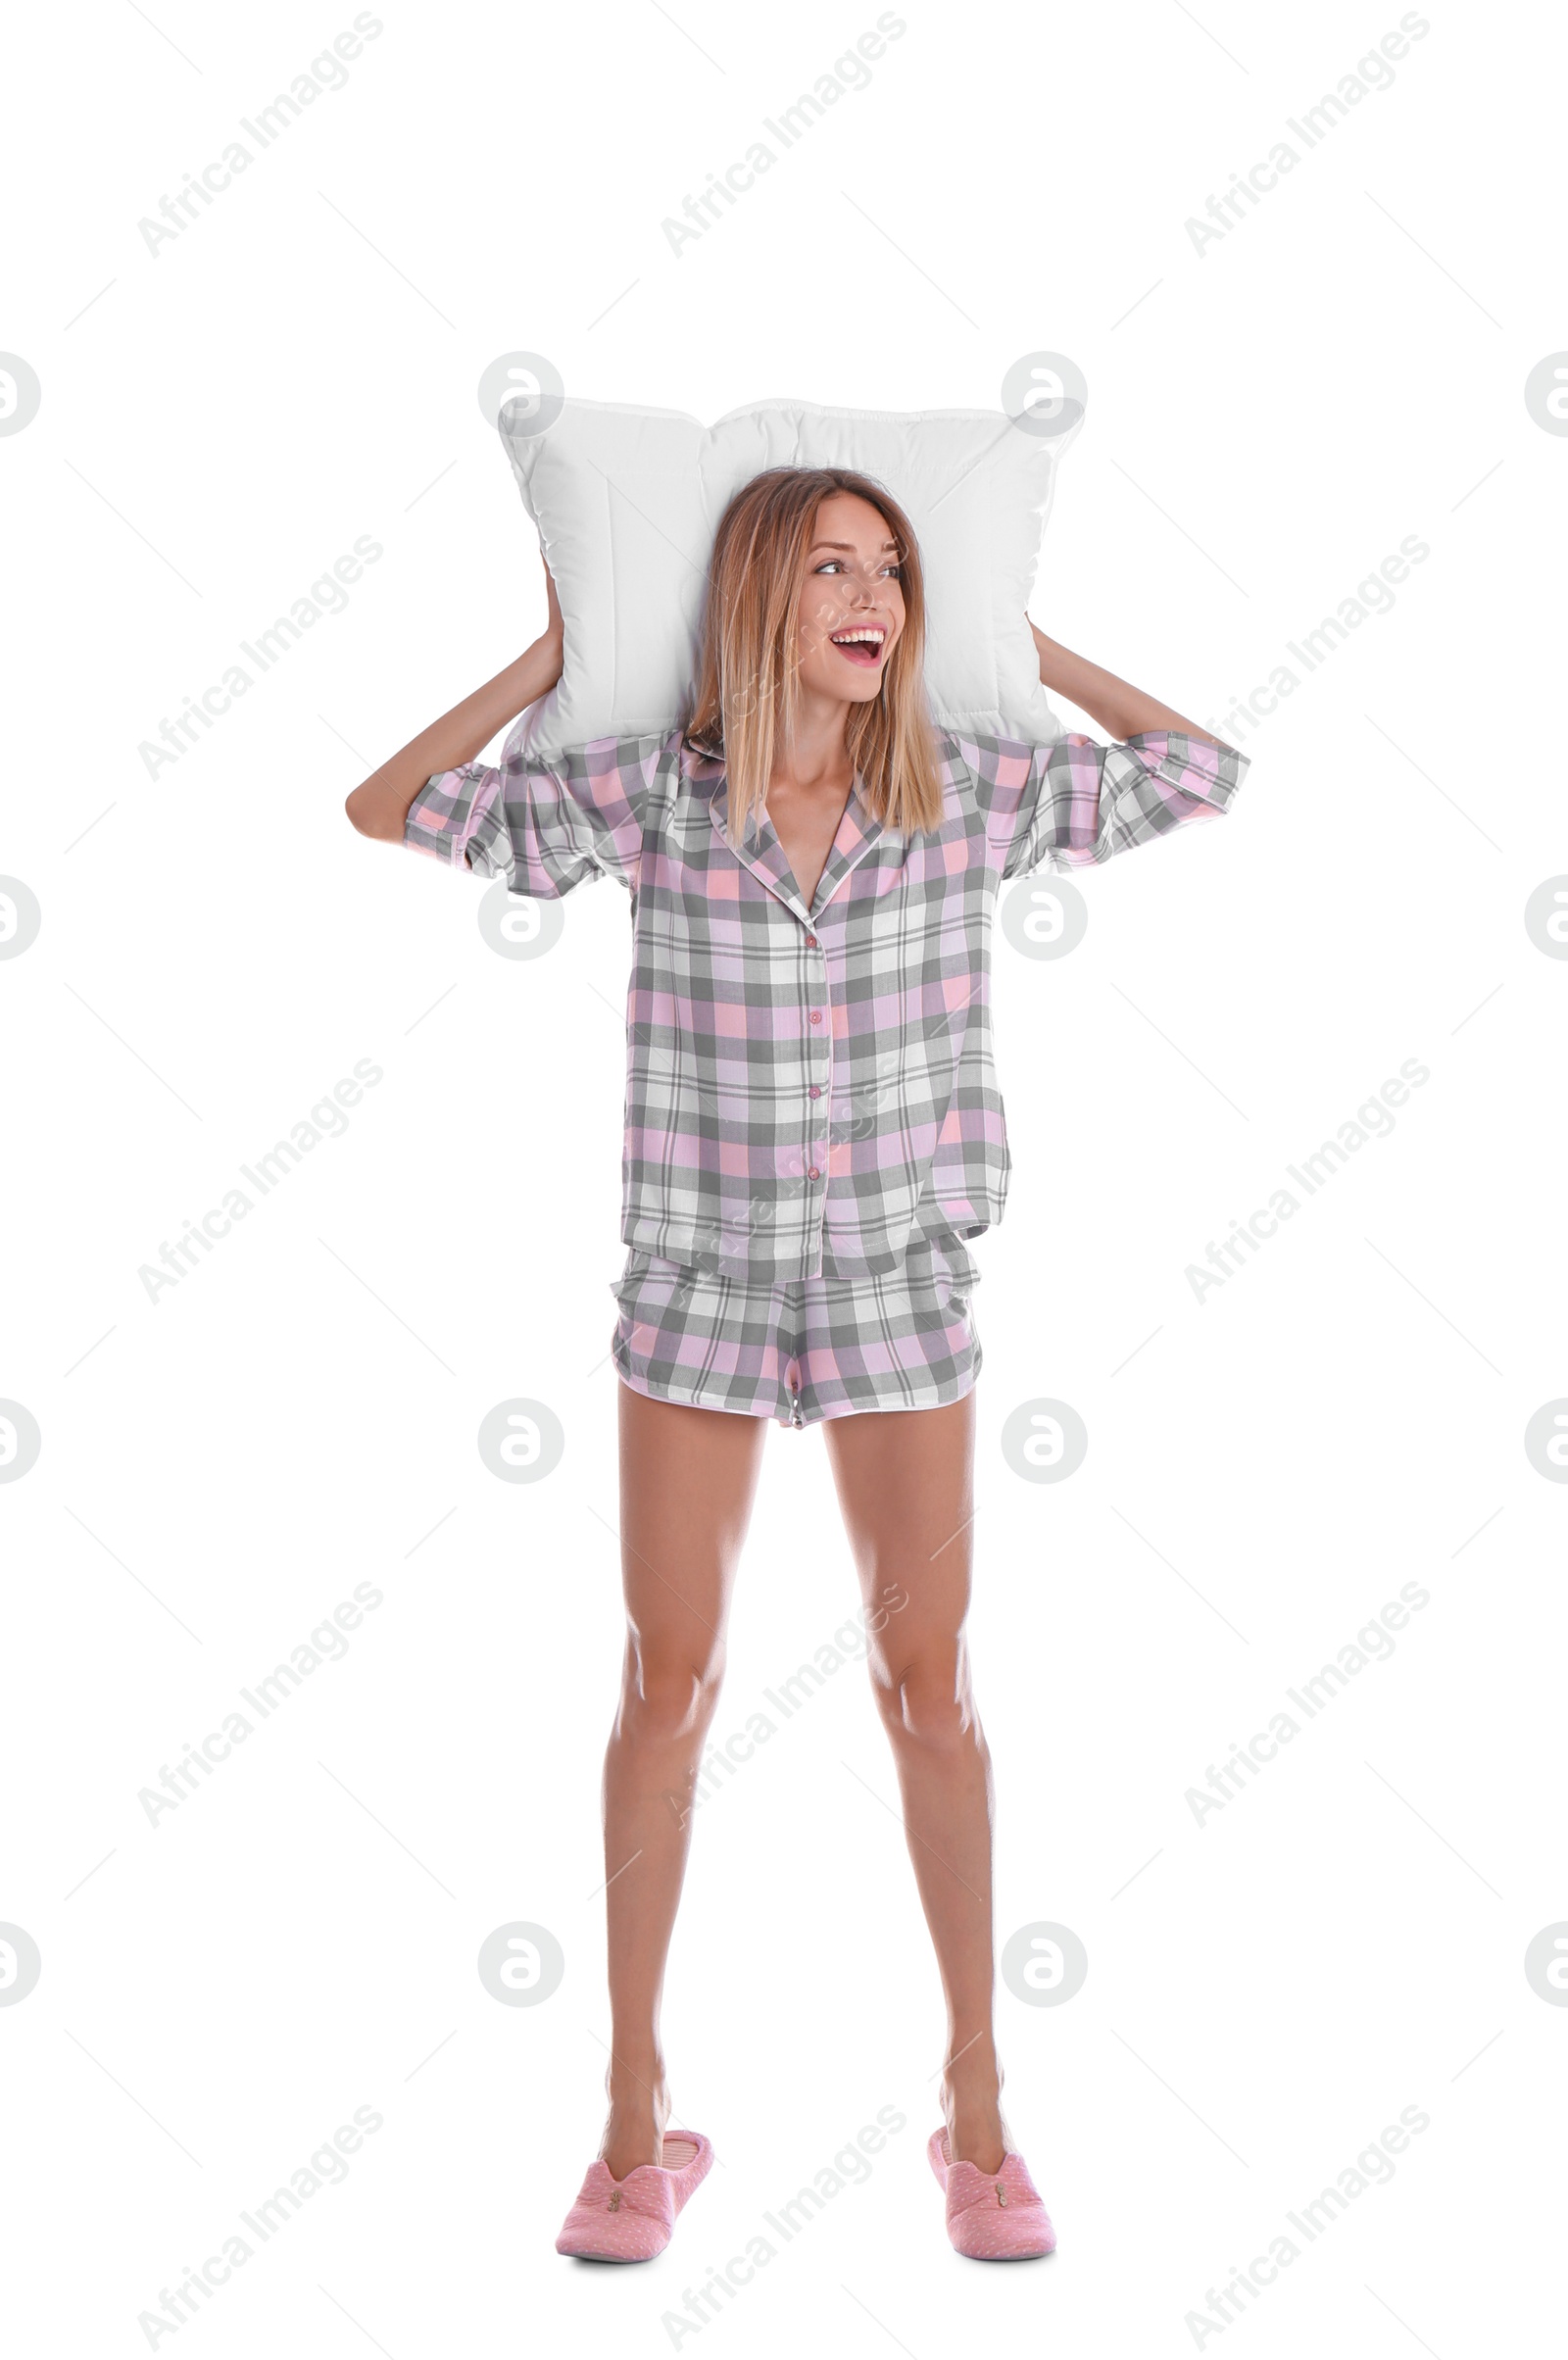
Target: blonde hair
pixel 746 694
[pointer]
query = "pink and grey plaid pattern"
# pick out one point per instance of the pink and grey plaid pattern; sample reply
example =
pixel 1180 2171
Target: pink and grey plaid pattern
pixel 805 1084
pixel 902 1338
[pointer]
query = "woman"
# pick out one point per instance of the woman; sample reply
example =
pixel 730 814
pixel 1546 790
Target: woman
pixel 813 1130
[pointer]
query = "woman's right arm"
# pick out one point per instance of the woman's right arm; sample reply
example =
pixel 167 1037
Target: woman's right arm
pixel 380 806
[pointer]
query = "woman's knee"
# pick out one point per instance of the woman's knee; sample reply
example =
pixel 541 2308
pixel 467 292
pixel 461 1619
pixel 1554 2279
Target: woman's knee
pixel 669 1694
pixel 925 1698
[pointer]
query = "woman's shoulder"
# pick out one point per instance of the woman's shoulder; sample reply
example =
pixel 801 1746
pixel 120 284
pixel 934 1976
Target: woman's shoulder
pixel 621 746
pixel 613 756
pixel 979 732
pixel 983 758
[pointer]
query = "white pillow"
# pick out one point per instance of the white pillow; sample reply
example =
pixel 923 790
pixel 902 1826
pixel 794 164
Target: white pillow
pixel 627 502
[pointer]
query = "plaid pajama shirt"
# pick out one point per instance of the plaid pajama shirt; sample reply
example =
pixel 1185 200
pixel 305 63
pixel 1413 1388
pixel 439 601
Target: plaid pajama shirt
pixel 811 1091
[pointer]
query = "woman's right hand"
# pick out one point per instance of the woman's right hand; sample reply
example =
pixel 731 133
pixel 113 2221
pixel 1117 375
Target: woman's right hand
pixel 554 635
pixel 380 806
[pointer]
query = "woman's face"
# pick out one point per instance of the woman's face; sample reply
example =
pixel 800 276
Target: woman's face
pixel 849 608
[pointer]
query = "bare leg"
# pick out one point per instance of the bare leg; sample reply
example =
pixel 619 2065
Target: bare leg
pixel 688 1478
pixel 904 1480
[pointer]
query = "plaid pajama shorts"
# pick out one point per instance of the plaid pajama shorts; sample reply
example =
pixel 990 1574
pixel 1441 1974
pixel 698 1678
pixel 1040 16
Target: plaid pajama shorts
pixel 820 1348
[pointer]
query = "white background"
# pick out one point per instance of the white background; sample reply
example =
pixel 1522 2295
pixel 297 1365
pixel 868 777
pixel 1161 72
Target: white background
pixel 1268 421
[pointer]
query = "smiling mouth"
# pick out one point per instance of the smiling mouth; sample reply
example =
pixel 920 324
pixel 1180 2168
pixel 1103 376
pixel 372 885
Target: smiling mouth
pixel 863 643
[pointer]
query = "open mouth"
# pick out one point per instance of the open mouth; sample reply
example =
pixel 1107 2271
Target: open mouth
pixel 863 643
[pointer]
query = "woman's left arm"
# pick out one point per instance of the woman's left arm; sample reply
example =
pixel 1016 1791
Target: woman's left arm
pixel 1119 707
pixel 1074 802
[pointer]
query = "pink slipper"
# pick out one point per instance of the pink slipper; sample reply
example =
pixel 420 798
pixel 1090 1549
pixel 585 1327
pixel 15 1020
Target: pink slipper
pixel 630 2220
pixel 991 2216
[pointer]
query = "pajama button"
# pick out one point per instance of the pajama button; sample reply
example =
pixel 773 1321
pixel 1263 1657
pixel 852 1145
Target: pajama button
pixel 817 1016
pixel 816 1091
pixel 811 941
pixel 813 1173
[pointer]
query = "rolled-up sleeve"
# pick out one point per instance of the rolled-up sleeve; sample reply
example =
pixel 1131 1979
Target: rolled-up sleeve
pixel 542 827
pixel 1084 801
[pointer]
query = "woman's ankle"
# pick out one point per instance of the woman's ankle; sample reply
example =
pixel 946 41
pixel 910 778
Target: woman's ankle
pixel 972 2072
pixel 636 2088
pixel 971 2104
pixel 634 2128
